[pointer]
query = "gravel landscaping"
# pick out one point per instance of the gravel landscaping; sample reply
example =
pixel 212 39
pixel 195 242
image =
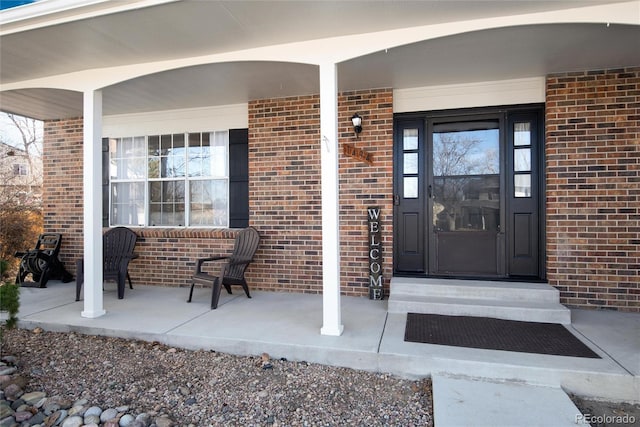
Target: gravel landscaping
pixel 136 383
pixel 600 413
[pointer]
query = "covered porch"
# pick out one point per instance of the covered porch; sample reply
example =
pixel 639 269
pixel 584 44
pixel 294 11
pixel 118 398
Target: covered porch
pixel 228 54
pixel 285 325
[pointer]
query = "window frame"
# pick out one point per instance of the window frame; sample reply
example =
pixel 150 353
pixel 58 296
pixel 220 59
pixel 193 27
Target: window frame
pixel 186 179
pixel 20 169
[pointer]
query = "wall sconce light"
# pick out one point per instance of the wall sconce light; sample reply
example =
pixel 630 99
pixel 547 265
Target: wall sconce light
pixel 357 123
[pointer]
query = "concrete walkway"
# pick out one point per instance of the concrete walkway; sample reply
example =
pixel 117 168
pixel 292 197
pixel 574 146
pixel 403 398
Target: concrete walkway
pixel 466 381
pixel 480 403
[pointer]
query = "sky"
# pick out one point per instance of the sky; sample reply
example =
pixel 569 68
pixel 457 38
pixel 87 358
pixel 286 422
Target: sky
pixel 6 4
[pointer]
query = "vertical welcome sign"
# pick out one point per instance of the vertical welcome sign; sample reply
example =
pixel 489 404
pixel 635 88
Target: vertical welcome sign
pixel 375 253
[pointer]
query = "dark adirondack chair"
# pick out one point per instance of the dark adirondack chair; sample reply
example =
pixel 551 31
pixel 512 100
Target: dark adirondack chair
pixel 117 251
pixel 232 272
pixel 42 262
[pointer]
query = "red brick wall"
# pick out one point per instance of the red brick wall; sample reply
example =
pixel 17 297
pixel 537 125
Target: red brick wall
pixel 363 185
pixel 62 186
pixel 284 189
pixel 593 211
pixel 285 198
pixel 167 256
pixel 284 193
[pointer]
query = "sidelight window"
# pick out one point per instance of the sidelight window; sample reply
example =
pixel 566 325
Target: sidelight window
pixel 410 163
pixel 522 159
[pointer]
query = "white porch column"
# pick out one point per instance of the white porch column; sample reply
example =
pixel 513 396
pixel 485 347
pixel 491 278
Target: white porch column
pixel 92 171
pixel 331 312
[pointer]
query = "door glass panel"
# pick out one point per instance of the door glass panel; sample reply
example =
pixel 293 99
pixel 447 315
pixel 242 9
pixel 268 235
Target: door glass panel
pixel 466 176
pixel 522 159
pixel 410 163
pixel 522 185
pixel 522 133
pixel 410 187
pixel 410 139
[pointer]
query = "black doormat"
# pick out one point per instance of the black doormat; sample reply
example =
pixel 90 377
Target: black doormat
pixel 494 334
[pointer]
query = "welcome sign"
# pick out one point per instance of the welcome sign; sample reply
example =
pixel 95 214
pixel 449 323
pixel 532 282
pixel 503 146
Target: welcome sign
pixel 375 253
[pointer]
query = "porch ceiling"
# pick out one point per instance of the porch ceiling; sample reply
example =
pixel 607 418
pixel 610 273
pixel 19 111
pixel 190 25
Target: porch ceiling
pixel 499 54
pixel 29 49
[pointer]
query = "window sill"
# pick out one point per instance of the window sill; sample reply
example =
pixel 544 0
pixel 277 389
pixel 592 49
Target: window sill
pixel 182 233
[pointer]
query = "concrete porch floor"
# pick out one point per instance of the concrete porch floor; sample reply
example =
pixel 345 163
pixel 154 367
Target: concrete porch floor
pixel 288 325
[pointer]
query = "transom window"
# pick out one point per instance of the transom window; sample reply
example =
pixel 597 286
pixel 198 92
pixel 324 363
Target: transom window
pixel 175 180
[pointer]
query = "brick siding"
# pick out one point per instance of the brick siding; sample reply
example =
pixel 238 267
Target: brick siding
pixel 592 163
pixel 62 186
pixel 363 185
pixel 285 198
pixel 593 212
pixel 284 193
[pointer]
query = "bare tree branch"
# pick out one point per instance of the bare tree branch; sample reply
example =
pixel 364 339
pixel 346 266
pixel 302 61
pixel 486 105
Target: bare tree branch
pixel 21 164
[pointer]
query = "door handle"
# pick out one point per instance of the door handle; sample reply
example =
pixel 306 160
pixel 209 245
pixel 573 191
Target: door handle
pixel 429 191
pixel 396 200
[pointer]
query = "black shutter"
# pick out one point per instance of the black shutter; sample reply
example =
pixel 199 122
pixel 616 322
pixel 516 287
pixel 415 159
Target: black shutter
pixel 238 178
pixel 105 182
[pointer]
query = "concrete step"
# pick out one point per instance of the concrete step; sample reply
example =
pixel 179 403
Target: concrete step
pixel 530 302
pixel 478 289
pixel 500 309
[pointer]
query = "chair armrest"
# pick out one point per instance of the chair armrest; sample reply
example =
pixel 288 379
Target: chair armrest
pixel 19 254
pixel 201 261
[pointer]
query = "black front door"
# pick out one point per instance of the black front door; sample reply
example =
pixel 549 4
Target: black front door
pixel 465 206
pixel 467 194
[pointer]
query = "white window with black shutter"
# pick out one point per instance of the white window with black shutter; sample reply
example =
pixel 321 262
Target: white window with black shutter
pixel 194 179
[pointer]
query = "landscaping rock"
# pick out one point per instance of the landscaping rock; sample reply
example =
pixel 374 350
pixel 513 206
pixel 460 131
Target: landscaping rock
pixel 96 381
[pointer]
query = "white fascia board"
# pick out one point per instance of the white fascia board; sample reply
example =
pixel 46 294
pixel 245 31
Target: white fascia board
pixel 203 119
pixel 46 13
pixel 41 9
pixel 480 94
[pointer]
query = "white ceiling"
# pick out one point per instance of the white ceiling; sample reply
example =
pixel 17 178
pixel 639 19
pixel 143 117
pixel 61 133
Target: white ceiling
pixel 194 28
pixel 499 54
